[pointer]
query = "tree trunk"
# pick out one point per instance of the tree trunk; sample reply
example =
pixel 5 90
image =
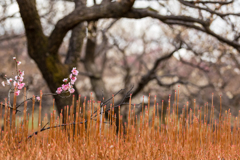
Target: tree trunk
pixel 97 83
pixel 44 50
pixel 53 71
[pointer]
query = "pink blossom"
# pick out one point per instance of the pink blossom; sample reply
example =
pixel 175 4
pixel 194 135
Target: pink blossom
pixel 71 90
pixel 59 90
pixel 73 81
pixel 68 87
pixel 16 77
pixel 14 58
pixel 3 83
pixel 18 63
pixel 21 79
pixel 20 86
pixel 65 87
pixel 74 78
pixel 38 98
pixel 22 73
pixel 9 81
pixel 74 71
pixel 15 83
pixel 65 79
pixel 17 92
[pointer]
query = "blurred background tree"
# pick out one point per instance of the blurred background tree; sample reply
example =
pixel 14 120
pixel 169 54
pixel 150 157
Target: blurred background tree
pixel 154 45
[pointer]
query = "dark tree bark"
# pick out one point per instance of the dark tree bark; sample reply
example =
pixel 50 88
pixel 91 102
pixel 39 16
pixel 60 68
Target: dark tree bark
pixel 44 50
pixel 76 40
pixel 97 83
pixel 50 66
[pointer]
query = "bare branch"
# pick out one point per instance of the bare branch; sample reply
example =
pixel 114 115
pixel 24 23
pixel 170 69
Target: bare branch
pixel 10 16
pixel 77 39
pixel 142 13
pixel 80 14
pixel 186 3
pixel 105 1
pixel 183 21
pixel 212 2
pixel 179 81
pixel 7 38
pixel 151 73
pixel 193 65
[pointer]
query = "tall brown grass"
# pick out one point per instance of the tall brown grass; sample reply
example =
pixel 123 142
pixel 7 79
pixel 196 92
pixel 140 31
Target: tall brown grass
pixel 182 136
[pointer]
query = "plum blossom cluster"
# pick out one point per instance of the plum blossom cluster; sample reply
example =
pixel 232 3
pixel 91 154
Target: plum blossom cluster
pixel 69 82
pixel 17 81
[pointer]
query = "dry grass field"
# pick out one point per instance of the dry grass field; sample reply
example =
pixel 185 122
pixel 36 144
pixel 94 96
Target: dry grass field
pixel 189 135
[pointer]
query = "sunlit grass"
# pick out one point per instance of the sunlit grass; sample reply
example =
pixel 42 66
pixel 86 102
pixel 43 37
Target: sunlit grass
pixel 181 136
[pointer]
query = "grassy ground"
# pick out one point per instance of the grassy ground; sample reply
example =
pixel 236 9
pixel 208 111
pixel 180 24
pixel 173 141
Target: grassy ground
pixel 188 135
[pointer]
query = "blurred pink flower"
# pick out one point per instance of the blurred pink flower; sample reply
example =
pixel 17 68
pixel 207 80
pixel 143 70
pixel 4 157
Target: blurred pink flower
pixel 73 80
pixel 22 73
pixel 21 79
pixel 74 71
pixel 20 86
pixel 71 90
pixel 69 85
pixel 59 90
pixel 17 92
pixel 18 63
pixel 65 79
pixel 38 98
pixel 14 83
pixel 3 83
pixel 65 87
